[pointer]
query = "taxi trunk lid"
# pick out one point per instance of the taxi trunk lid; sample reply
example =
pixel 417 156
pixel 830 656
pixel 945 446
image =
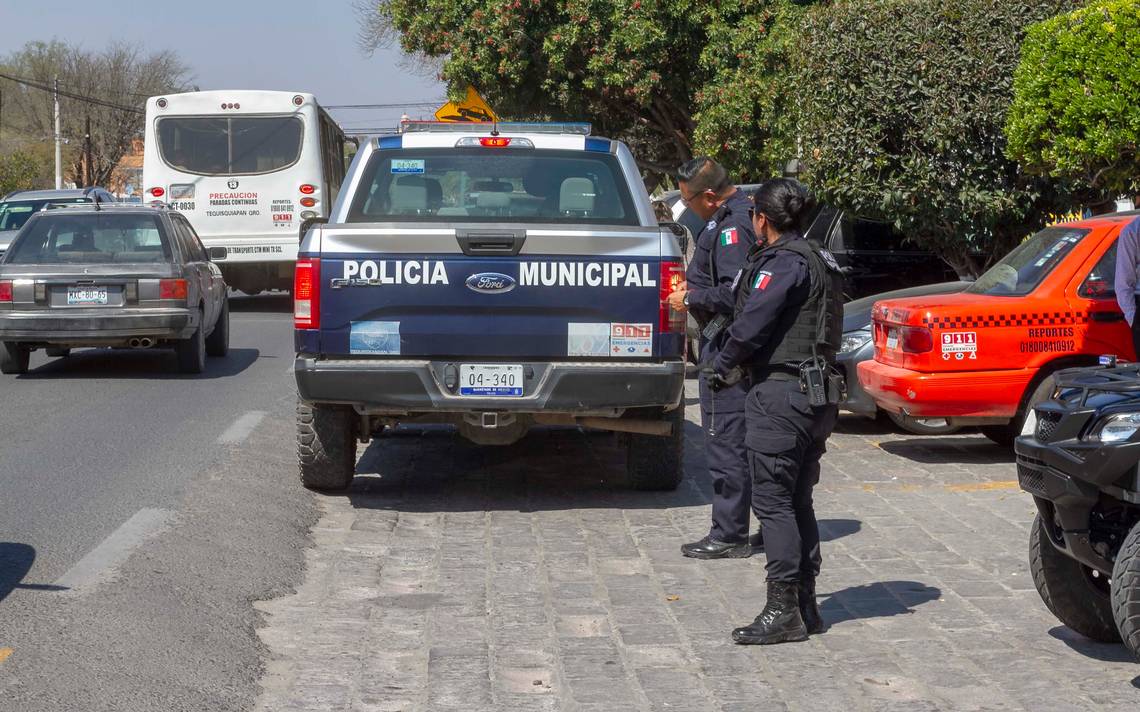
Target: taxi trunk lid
pixel 494 292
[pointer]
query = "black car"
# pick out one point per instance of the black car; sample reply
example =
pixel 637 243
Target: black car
pixel 1078 458
pixel 875 257
pixel 117 276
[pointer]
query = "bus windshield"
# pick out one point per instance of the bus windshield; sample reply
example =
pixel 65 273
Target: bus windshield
pixel 239 145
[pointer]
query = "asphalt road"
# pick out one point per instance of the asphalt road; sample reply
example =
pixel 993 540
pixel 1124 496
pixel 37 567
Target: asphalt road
pixel 140 512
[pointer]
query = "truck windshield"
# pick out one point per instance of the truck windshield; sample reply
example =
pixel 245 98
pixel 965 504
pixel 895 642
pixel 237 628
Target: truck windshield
pixel 493 185
pixel 90 238
pixel 225 145
pixel 1019 272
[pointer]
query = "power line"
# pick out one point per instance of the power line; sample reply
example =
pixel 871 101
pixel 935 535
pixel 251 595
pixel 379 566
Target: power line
pixel 72 95
pixel 383 106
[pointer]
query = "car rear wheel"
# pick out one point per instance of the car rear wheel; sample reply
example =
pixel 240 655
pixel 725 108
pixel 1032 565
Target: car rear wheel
pixel 14 357
pixel 191 352
pixel 218 343
pixel 1077 595
pixel 1126 591
pixel 326 445
pixel 656 463
pixel 57 352
pixel 923 426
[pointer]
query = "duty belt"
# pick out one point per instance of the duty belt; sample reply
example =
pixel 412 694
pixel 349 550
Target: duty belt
pixel 756 374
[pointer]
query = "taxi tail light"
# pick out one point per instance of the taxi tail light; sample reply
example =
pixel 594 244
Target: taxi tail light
pixel 916 340
pixel 307 294
pixel 6 291
pixel 670 321
pixel 172 289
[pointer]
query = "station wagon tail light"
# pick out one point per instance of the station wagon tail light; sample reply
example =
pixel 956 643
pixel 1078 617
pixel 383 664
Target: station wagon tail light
pixel 308 188
pixel 916 340
pixel 172 289
pixel 308 202
pixel 670 321
pixel 6 291
pixel 307 294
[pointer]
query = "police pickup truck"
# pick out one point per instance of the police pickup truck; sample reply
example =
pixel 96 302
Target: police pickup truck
pixel 492 277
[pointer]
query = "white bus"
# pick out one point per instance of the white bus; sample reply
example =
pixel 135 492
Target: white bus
pixel 246 167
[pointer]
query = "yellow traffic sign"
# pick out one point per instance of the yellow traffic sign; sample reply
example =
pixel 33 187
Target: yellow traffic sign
pixel 473 108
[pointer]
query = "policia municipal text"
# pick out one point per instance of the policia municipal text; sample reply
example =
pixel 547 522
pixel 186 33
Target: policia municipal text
pixel 786 328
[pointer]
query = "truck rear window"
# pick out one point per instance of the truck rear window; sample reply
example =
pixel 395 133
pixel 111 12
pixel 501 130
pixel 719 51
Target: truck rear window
pixel 90 238
pixel 492 185
pixel 1019 272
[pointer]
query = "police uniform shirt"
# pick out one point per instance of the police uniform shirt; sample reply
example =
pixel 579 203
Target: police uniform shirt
pixel 727 238
pixel 772 282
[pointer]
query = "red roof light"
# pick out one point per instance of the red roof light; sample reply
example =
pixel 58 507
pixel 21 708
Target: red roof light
pixel 308 189
pixel 494 142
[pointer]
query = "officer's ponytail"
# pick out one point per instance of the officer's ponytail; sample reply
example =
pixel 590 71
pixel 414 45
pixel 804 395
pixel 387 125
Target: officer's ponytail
pixel 786 202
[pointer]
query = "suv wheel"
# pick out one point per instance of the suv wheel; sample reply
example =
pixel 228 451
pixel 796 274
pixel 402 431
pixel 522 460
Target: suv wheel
pixel 1004 435
pixel 192 352
pixel 326 445
pixel 14 357
pixel 218 342
pixel 1126 591
pixel 1069 589
pixel 656 463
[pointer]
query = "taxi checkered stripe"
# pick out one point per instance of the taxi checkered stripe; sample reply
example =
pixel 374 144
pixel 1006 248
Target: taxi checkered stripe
pixel 995 320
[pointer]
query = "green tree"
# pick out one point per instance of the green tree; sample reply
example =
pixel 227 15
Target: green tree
pixel 899 106
pixel 639 70
pixel 1076 106
pixel 18 171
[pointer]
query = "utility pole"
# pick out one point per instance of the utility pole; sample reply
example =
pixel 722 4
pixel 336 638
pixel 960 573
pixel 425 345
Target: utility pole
pixel 58 138
pixel 88 171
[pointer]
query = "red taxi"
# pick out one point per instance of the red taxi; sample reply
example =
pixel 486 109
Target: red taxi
pixel 983 356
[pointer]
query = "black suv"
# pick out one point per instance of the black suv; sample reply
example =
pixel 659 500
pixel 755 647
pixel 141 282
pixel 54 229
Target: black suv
pixel 1080 465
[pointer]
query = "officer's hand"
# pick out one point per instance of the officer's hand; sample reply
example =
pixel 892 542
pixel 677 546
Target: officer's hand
pixel 717 382
pixel 677 300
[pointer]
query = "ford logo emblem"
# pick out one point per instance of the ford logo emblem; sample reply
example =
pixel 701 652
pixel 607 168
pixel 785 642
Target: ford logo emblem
pixel 490 282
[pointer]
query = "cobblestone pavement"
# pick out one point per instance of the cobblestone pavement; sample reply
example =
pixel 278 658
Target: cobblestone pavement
pixel 527 578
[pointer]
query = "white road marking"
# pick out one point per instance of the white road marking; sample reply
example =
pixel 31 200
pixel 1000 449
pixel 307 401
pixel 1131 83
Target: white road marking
pixel 114 550
pixel 241 428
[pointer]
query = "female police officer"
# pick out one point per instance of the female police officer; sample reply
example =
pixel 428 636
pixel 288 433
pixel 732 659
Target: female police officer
pixel 783 340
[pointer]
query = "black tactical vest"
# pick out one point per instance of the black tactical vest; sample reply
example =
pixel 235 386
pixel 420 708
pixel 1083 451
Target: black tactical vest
pixel 817 325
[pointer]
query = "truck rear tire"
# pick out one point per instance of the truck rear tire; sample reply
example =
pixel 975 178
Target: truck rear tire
pixel 14 357
pixel 655 463
pixel 326 446
pixel 1068 589
pixel 1126 591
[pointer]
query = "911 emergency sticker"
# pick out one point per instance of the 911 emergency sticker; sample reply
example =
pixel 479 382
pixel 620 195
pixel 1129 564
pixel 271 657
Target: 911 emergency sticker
pixel 631 339
pixel 959 345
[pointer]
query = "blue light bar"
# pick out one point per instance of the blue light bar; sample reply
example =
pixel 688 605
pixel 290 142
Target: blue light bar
pixel 390 142
pixel 601 145
pixel 564 128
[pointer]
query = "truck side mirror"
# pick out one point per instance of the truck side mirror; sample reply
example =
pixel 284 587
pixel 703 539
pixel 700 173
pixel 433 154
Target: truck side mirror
pixel 681 232
pixel 308 223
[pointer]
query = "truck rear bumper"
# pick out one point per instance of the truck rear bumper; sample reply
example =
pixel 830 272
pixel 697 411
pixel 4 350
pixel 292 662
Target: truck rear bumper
pixel 406 386
pixel 96 326
pixel 951 394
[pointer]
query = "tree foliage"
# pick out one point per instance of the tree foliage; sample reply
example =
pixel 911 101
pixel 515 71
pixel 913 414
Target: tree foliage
pixel 120 77
pixel 645 71
pixel 900 107
pixel 18 171
pixel 1076 107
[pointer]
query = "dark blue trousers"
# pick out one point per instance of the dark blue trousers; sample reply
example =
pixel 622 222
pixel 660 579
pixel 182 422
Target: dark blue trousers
pixel 724 423
pixel 786 437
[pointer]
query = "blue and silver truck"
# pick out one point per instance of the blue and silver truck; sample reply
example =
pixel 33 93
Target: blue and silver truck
pixel 493 277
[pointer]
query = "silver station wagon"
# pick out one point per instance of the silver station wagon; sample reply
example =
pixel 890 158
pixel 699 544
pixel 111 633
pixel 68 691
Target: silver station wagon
pixel 111 276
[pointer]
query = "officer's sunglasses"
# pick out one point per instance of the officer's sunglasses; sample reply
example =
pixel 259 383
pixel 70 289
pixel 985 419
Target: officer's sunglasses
pixel 685 201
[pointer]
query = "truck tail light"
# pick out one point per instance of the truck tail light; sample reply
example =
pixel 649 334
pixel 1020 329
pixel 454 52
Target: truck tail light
pixel 172 289
pixel 916 340
pixel 670 321
pixel 307 294
pixel 6 291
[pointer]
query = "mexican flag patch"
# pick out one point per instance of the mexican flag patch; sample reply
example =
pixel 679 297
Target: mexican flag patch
pixel 762 280
pixel 729 236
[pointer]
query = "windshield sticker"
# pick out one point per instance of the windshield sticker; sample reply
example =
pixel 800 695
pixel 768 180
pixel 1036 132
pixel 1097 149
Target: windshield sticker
pixel 408 165
pixel 631 339
pixel 587 339
pixel 375 337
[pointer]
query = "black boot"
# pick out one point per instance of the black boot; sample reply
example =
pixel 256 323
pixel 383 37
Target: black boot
pixel 779 622
pixel 709 548
pixel 809 609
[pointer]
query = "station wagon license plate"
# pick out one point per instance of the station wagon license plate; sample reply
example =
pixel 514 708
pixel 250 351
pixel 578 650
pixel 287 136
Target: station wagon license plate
pixel 491 380
pixel 892 338
pixel 84 296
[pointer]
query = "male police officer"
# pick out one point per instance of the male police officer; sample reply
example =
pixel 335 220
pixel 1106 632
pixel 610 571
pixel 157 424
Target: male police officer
pixel 719 253
pixel 787 327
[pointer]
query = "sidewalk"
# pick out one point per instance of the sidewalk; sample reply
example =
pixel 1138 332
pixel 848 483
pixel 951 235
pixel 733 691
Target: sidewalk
pixel 527 578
